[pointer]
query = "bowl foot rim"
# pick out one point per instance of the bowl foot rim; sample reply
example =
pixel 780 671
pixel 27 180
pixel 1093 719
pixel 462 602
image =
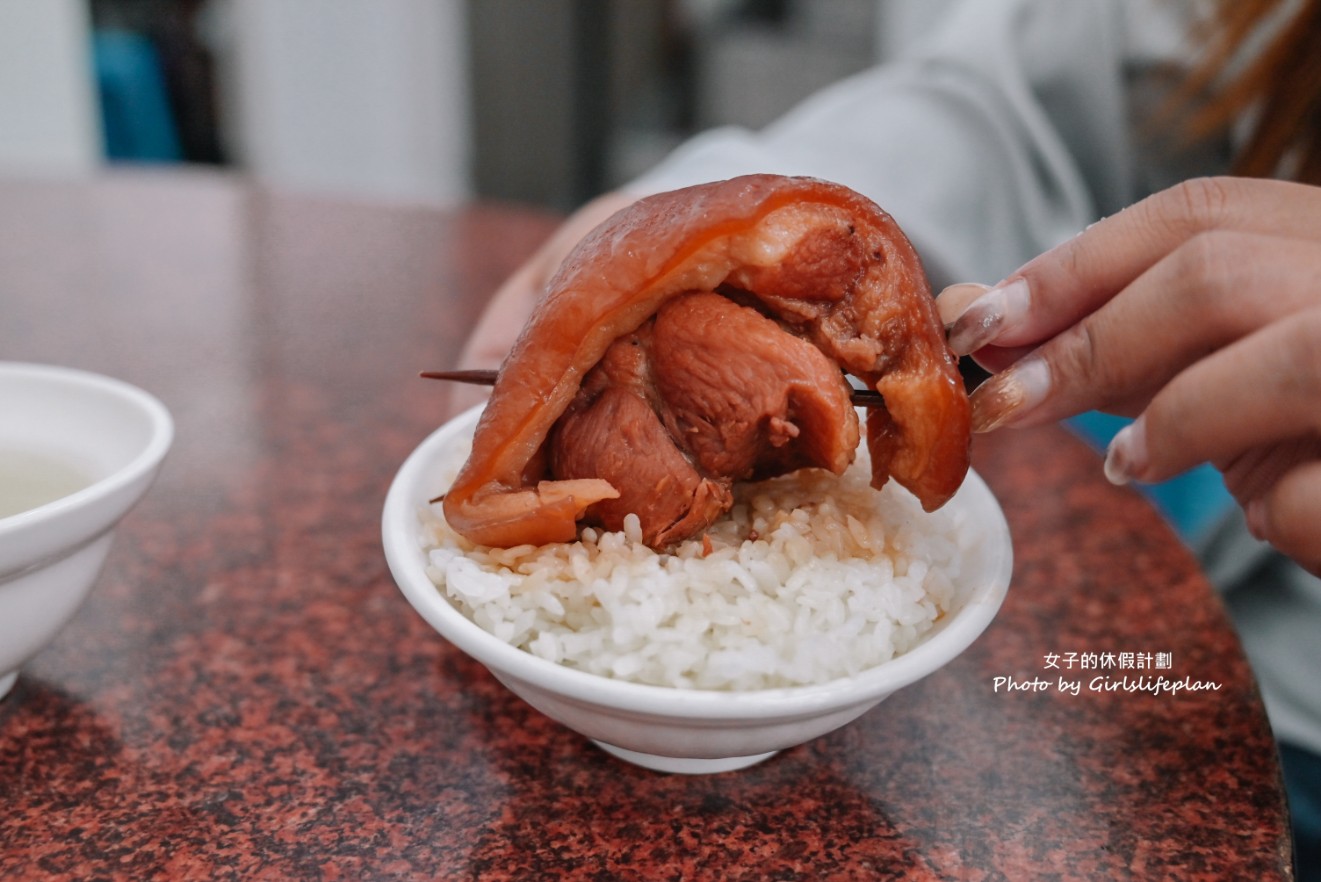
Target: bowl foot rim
pixel 680 765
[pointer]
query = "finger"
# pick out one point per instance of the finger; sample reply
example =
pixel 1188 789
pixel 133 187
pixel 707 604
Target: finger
pixel 1211 291
pixel 1252 473
pixel 512 303
pixel 505 313
pixel 955 299
pixel 1055 290
pixel 997 359
pixel 954 302
pixel 1262 390
pixel 1287 515
pixel 461 397
pixel 579 224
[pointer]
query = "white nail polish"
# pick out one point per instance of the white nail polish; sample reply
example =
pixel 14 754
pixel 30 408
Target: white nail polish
pixel 989 316
pixel 1255 515
pixel 1126 456
pixel 955 299
pixel 1008 397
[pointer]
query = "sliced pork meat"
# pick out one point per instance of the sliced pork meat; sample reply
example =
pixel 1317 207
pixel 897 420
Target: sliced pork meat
pixel 701 337
pixel 745 398
pixel 707 393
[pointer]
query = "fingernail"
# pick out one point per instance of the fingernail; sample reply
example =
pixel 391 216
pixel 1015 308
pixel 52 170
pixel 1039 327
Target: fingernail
pixel 1009 396
pixel 1255 514
pixel 989 316
pixel 955 299
pixel 1126 456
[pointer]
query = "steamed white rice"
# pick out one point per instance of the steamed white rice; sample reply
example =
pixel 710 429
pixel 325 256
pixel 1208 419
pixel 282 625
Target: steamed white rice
pixel 809 578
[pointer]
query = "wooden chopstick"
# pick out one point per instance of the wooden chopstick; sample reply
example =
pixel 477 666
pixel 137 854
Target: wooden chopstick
pixel 480 377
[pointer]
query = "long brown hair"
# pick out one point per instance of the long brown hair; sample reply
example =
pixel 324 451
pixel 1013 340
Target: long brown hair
pixel 1278 89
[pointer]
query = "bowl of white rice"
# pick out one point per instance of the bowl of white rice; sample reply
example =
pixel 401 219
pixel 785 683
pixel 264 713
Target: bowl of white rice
pixel 812 601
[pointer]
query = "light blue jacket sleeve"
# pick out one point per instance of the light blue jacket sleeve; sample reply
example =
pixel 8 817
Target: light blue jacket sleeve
pixel 1003 134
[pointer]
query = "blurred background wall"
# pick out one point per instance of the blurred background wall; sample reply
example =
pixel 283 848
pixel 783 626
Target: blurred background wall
pixel 47 94
pixel 433 101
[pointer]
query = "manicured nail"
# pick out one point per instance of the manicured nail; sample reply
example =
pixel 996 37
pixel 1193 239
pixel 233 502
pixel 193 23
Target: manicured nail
pixel 1126 457
pixel 1007 397
pixel 989 316
pixel 1255 514
pixel 955 299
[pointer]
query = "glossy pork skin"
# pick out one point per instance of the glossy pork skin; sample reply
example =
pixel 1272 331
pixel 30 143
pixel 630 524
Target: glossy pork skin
pixel 792 261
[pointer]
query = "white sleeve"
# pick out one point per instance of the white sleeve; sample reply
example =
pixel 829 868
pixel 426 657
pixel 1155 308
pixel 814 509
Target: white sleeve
pixel 1003 135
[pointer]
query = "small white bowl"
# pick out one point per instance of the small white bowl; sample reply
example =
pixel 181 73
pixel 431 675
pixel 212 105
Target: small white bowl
pixel 81 449
pixel 686 730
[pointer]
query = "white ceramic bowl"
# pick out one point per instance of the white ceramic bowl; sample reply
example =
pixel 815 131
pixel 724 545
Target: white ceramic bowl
pixel 685 730
pixel 82 448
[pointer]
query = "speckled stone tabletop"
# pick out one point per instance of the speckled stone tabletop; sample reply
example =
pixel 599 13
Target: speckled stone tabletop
pixel 246 695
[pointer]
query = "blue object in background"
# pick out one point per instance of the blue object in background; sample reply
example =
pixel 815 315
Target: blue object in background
pixel 1192 502
pixel 136 117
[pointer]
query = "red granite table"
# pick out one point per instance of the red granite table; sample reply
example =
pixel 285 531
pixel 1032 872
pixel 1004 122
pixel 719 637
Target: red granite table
pixel 246 694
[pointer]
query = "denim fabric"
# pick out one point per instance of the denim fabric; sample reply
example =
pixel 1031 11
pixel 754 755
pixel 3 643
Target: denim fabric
pixel 1302 780
pixel 137 121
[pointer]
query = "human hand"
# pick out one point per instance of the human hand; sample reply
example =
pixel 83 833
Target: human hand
pixel 512 303
pixel 1198 311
